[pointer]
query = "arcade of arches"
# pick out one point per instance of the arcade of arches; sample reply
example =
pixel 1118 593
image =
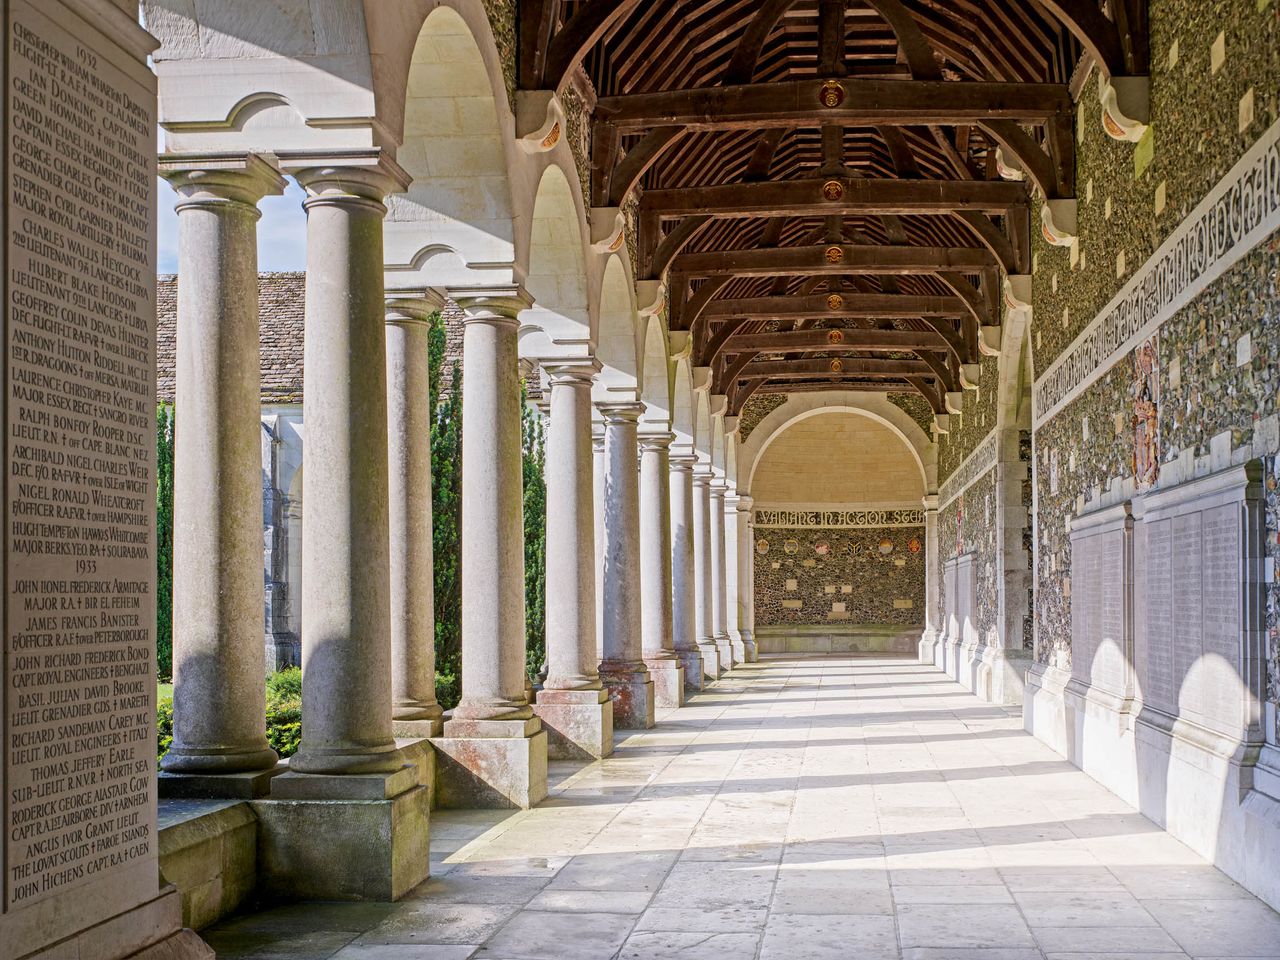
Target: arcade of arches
pixel 912 449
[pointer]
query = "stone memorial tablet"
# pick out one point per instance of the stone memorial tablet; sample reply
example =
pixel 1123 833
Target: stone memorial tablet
pixel 79 810
pixel 1157 612
pixel 1187 609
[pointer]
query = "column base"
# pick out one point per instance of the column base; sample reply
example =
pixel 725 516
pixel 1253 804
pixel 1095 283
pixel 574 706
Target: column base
pixel 348 849
pixel 579 723
pixel 668 681
pixel 711 666
pixel 222 786
pixel 365 786
pixel 724 646
pixel 738 649
pixel 631 690
pixel 691 660
pixel 498 764
pixel 417 729
pixel 750 650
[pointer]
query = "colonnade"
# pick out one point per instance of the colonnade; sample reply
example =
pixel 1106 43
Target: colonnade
pixel 646 593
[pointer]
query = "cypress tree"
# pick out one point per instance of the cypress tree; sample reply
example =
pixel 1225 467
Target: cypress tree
pixel 535 535
pixel 164 541
pixel 446 516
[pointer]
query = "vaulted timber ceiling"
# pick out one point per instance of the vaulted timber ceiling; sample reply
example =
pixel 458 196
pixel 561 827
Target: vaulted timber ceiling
pixel 824 184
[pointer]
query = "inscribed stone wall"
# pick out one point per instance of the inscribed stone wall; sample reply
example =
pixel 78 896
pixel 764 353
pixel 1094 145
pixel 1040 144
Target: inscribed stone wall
pixel 967 525
pixel 810 575
pixel 77 777
pixel 1211 369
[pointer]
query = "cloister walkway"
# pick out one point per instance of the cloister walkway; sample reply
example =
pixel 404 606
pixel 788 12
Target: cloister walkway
pixel 798 810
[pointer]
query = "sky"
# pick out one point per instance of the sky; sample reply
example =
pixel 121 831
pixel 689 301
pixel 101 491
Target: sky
pixel 281 231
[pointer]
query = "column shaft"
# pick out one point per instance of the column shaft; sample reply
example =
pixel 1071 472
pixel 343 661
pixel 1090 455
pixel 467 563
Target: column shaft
pixel 493 614
pixel 655 571
pixel 684 616
pixel 623 669
pixel 571 588
pixel 702 573
pixel 719 577
pixel 218 652
pixel 739 519
pixel 413 652
pixel 346 601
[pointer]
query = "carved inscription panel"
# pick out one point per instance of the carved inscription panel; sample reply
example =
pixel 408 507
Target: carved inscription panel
pixel 79 692
pixel 1099 642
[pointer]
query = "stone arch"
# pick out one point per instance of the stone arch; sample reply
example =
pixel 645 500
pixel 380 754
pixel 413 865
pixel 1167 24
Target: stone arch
pixel 557 271
pixel 656 384
pixel 802 406
pixel 616 346
pixel 683 409
pixel 702 426
pixel 456 224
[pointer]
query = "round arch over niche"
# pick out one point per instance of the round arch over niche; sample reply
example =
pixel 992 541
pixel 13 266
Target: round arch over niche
pixel 458 146
pixel 803 406
pixel 616 339
pixel 656 383
pixel 683 422
pixel 557 275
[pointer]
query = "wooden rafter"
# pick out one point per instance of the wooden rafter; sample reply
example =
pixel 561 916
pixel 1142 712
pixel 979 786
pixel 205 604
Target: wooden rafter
pixel 865 102
pixel 831 260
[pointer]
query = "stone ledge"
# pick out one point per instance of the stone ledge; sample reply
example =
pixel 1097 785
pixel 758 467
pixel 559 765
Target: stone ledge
pixel 209 852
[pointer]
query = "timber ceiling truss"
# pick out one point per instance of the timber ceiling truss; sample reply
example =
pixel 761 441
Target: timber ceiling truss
pixel 832 189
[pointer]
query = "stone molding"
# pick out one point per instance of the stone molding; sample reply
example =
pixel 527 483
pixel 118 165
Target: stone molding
pixel 1241 211
pixel 982 459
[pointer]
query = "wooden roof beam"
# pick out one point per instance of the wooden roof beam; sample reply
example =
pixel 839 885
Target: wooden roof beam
pixel 850 340
pixel 836 196
pixel 832 260
pixel 851 305
pixel 865 102
pixel 826 366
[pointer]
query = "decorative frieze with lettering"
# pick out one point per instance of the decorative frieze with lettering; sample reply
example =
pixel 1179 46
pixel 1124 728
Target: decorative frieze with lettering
pixel 975 465
pixel 79 643
pixel 848 519
pixel 1239 213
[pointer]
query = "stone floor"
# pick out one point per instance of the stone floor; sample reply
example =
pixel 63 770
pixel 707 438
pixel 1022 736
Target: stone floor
pixel 801 809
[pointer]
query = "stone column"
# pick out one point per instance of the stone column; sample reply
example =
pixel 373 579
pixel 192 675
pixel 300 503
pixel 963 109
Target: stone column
pixel 219 696
pixel 622 669
pixel 346 597
pixel 657 630
pixel 720 576
pixel 598 472
pixel 494 751
pixel 711 666
pixel 933 628
pixel 415 712
pixel 684 615
pixel 572 704
pixel 744 644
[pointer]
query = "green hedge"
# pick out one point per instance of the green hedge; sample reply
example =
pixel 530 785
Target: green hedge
pixel 284 714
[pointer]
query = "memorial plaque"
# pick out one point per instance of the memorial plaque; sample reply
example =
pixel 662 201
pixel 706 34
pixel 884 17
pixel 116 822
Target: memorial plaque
pixel 1187 610
pixel 79 647
pixel 1219 671
pixel 1157 634
pixel 1099 641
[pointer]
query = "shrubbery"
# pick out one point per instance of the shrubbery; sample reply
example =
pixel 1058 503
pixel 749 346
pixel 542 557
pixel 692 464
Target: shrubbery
pixel 284 714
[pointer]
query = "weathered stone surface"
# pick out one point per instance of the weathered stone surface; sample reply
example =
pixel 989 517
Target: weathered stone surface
pixel 668 679
pixel 578 723
pixel 343 849
pixel 208 850
pixel 490 771
pixel 631 690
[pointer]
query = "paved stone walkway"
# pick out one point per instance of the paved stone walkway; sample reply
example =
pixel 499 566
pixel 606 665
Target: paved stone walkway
pixel 802 809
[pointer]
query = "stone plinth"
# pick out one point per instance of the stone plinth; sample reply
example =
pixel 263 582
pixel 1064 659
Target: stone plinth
pixel 233 786
pixel 491 763
pixel 668 681
pixel 631 690
pixel 578 723
pixel 351 849
pixel 692 662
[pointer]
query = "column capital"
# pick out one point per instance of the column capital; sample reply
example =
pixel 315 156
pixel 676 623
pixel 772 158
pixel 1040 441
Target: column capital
pixel 683 460
pixel 702 474
pixel 741 502
pixel 571 371
pixel 620 411
pixel 368 174
pixel 501 303
pixel 220 178
pixel 412 306
pixel 930 502
pixel 656 441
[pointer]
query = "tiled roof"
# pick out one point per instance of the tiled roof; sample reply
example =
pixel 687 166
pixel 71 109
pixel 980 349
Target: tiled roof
pixel 280 313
